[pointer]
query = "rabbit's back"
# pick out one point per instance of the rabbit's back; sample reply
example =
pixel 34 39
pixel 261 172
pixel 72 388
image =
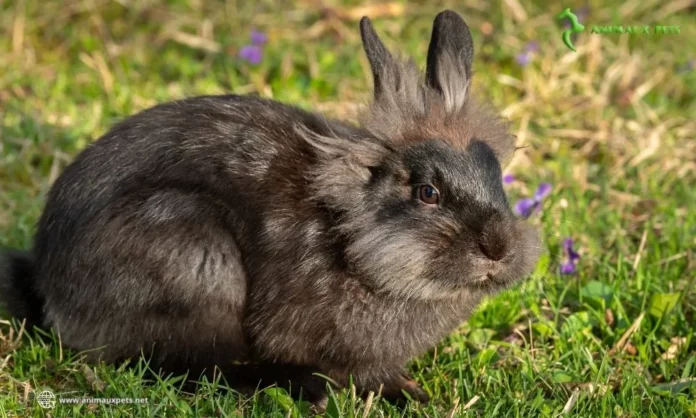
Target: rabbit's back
pixel 219 147
pixel 152 222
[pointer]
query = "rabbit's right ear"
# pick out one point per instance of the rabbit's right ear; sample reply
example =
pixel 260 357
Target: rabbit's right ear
pixel 381 61
pixel 450 56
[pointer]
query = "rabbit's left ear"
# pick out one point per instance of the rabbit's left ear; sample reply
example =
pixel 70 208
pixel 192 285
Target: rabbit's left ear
pixel 381 61
pixel 450 56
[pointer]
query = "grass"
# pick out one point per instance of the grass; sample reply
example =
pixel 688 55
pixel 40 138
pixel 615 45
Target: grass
pixel 611 127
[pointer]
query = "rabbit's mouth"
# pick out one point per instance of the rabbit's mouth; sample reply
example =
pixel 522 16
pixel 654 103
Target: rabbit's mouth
pixel 502 273
pixel 488 280
pixel 486 270
pixel 492 278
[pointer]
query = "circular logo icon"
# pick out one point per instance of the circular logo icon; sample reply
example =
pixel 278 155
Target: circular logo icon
pixel 46 399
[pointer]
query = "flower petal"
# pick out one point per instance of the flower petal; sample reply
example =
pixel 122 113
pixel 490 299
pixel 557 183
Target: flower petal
pixel 524 58
pixel 542 191
pixel 568 251
pixel 572 255
pixel 568 268
pixel 258 37
pixel 508 178
pixel 251 53
pixel 525 207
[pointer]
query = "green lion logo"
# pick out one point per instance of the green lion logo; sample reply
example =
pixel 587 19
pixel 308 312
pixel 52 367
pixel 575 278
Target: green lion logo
pixel 575 27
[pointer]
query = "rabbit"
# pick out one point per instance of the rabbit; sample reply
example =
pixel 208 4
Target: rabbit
pixel 243 235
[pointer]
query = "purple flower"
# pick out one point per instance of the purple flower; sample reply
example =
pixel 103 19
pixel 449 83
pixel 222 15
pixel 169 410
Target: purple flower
pixel 508 178
pixel 542 191
pixel 524 58
pixel 258 37
pixel 527 206
pixel 570 257
pixel 251 53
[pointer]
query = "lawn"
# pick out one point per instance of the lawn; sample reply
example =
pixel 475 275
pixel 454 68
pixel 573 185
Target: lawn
pixel 610 127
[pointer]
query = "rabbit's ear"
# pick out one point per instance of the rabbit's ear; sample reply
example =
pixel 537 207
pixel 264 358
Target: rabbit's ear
pixel 362 152
pixel 450 56
pixel 381 61
pixel 344 166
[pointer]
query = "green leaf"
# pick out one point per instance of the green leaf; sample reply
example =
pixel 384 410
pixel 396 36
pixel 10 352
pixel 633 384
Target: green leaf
pixel 543 329
pixel 183 406
pixel 662 303
pixel 280 397
pixel 486 356
pixel 674 387
pixel 332 408
pixel 687 368
pixel 596 289
pixel 578 322
pixel 542 264
pixel 480 337
pixel 562 377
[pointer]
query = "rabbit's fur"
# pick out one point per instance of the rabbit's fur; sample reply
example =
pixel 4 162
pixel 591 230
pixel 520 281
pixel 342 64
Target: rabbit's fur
pixel 271 242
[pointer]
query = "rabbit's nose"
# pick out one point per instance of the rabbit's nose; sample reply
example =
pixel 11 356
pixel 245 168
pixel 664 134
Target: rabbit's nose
pixel 494 248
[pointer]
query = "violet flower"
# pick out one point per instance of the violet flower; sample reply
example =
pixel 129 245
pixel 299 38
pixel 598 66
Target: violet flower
pixel 525 57
pixel 258 37
pixel 527 206
pixel 570 257
pixel 508 178
pixel 532 46
pixel 253 53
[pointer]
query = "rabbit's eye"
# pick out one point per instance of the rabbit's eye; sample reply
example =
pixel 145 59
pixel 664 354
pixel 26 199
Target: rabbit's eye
pixel 428 194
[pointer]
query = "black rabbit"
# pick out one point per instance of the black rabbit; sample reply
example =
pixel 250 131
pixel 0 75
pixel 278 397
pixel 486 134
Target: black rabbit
pixel 274 243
